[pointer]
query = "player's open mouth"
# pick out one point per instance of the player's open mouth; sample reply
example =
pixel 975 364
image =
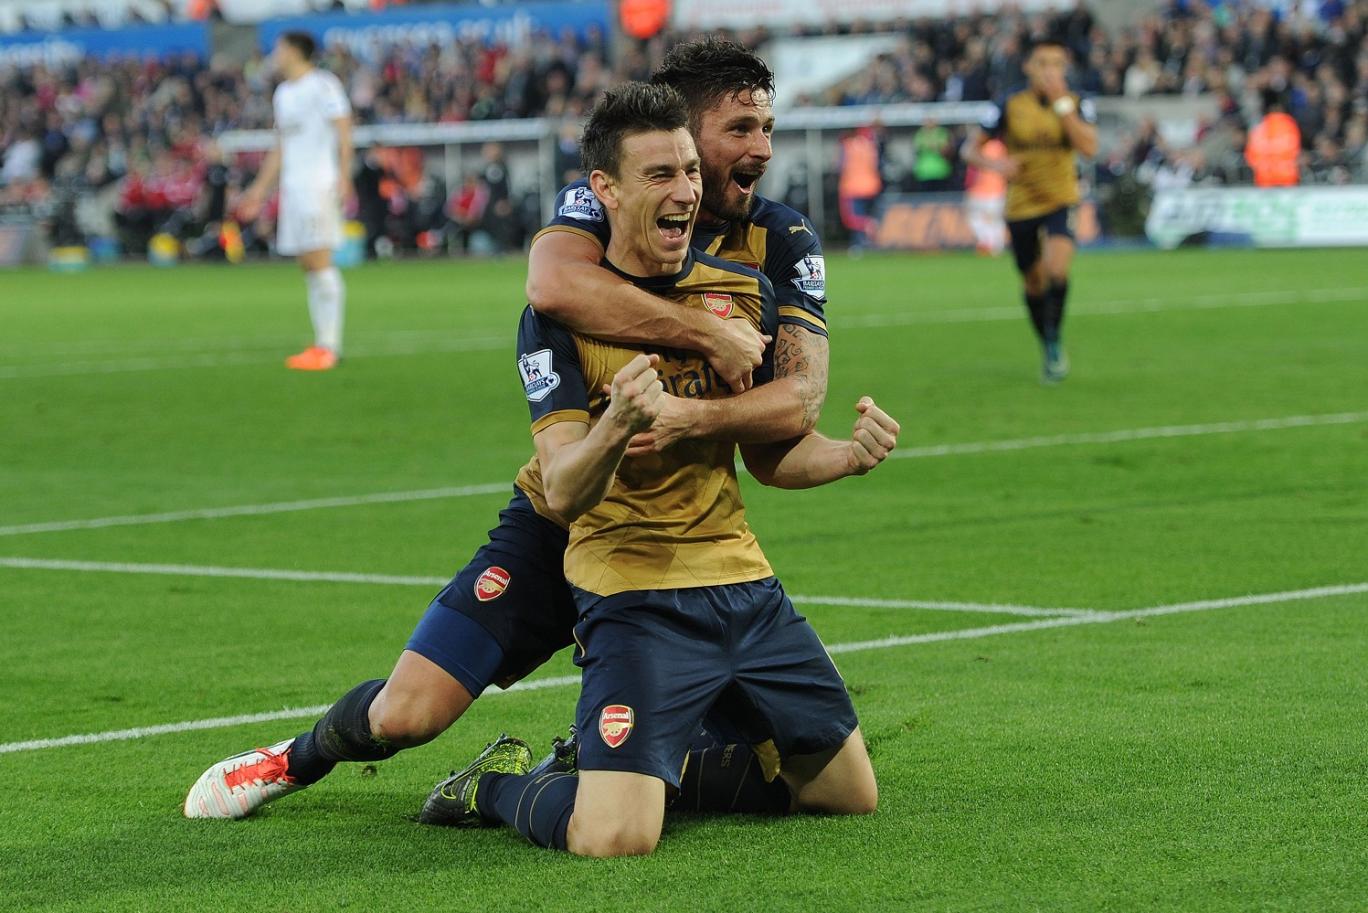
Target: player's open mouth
pixel 745 180
pixel 675 226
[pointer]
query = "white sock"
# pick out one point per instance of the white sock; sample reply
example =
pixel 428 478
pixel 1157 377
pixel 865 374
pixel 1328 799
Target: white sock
pixel 327 303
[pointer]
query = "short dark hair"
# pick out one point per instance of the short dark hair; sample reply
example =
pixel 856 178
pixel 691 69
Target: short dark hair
pixel 711 69
pixel 1047 41
pixel 631 108
pixel 302 42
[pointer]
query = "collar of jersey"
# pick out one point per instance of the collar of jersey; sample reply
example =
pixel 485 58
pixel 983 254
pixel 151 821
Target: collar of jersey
pixel 657 283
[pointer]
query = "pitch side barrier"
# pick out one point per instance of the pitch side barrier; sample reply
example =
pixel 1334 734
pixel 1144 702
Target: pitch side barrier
pixel 806 144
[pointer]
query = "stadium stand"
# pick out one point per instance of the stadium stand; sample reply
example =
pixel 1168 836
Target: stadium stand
pixel 127 144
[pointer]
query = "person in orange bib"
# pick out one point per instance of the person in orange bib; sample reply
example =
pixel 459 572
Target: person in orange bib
pixel 985 200
pixel 1274 147
pixel 860 183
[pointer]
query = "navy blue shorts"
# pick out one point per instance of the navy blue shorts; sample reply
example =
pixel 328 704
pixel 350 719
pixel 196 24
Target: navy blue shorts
pixel 507 611
pixel 656 662
pixel 1026 235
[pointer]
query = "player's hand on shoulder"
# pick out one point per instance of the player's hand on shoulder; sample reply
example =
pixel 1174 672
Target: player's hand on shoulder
pixel 875 436
pixel 1009 167
pixel 738 348
pixel 635 394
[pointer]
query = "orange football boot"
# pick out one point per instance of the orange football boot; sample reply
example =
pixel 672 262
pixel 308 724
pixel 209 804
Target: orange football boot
pixel 314 358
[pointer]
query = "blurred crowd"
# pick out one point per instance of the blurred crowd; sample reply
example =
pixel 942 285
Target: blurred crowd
pixel 125 148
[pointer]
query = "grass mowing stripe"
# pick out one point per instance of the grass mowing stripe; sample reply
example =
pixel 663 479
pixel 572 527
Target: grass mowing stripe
pixel 235 359
pixel 266 573
pixel 1110 308
pixel 1132 434
pixel 222 357
pixel 936 450
pixel 1202 605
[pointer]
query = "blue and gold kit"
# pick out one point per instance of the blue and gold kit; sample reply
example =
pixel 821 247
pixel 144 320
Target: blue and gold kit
pixel 680 615
pixel 774 239
pixel 1034 135
pixel 697 534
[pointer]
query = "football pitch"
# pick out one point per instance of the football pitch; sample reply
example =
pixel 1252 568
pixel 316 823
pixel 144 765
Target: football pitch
pixel 1108 640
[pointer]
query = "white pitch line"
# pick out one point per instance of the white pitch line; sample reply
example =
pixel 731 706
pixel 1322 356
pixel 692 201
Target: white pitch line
pixel 1093 618
pixel 907 453
pixel 985 608
pixel 1108 308
pixel 1131 434
pixel 1204 605
pixel 253 510
pixel 266 573
pixel 222 722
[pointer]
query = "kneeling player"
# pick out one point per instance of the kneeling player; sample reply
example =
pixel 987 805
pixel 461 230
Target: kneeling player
pixel 679 609
pixel 505 613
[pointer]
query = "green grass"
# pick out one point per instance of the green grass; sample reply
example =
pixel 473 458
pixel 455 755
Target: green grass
pixel 1211 761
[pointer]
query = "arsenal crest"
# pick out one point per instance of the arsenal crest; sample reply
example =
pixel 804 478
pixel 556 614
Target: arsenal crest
pixel 719 304
pixel 615 724
pixel 491 584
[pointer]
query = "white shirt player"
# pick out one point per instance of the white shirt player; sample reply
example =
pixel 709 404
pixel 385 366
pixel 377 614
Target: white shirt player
pixel 305 109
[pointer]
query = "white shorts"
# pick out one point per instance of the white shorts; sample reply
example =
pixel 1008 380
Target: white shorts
pixel 310 219
pixel 986 207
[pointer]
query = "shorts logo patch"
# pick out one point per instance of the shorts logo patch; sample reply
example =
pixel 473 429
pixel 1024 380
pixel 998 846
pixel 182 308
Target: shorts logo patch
pixel 615 724
pixel 581 204
pixel 811 278
pixel 719 304
pixel 492 583
pixel 537 377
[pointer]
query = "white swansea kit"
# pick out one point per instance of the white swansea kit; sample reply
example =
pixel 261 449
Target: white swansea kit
pixel 310 214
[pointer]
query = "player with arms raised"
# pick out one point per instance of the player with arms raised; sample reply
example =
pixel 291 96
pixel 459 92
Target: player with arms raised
pixel 1044 128
pixel 313 159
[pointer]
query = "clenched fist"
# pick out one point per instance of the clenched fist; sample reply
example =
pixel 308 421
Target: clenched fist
pixel 635 395
pixel 875 436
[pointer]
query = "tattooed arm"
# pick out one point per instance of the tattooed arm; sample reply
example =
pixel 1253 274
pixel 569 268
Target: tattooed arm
pixel 785 408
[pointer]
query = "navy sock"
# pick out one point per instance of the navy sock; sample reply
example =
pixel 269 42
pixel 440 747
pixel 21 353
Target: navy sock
pixel 1055 298
pixel 1037 306
pixel 307 766
pixel 343 734
pixel 729 779
pixel 538 806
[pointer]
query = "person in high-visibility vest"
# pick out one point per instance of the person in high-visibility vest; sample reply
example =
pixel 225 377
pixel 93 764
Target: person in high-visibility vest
pixel 985 200
pixel 1274 147
pixel 860 183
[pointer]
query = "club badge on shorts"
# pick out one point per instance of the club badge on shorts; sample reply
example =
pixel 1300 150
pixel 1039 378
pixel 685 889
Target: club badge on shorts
pixel 615 724
pixel 718 303
pixel 491 584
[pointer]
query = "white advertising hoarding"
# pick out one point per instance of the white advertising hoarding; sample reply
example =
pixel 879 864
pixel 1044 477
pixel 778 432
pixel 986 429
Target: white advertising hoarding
pixel 1263 217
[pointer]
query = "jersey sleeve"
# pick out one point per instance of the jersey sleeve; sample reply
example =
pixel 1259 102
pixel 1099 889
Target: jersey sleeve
pixel 797 270
pixel 549 367
pixel 994 122
pixel 579 211
pixel 769 325
pixel 334 103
